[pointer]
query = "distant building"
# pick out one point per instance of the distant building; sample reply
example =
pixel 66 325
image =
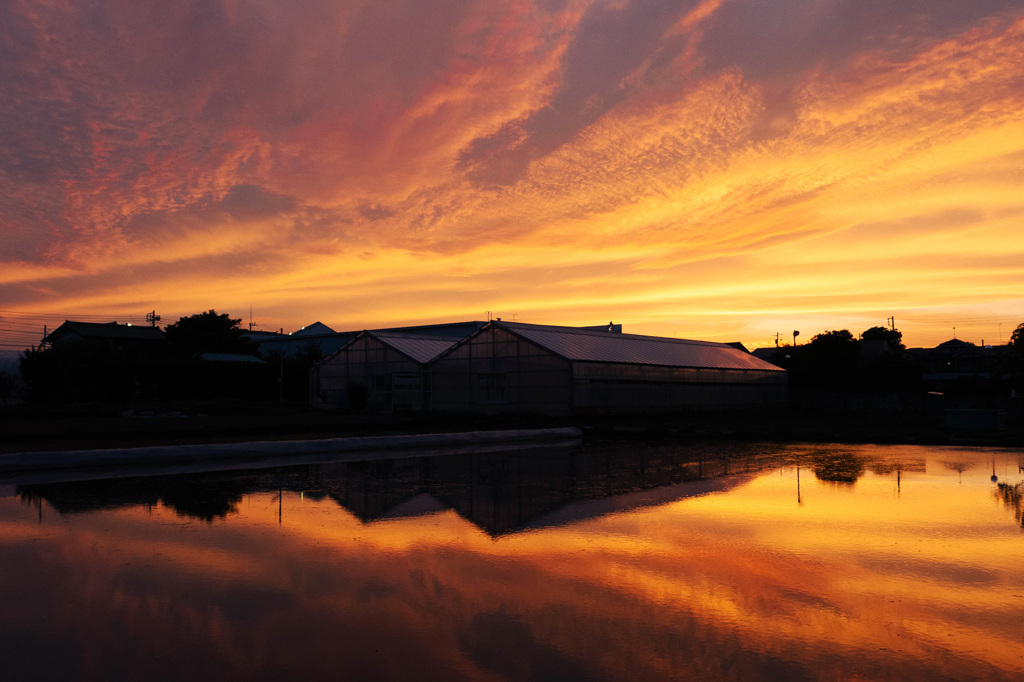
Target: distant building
pixel 873 350
pixel 327 341
pixel 236 358
pixel 954 360
pixel 318 335
pixel 766 353
pixel 111 333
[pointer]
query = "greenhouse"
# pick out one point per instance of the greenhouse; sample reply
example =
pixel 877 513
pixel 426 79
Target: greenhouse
pixel 377 371
pixel 515 367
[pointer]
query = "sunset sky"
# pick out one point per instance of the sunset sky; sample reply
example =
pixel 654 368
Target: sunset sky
pixel 712 169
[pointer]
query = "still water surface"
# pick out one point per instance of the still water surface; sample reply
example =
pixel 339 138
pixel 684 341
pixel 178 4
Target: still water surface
pixel 604 562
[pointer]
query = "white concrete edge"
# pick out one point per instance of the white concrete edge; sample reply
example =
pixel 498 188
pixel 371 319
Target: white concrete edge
pixel 166 454
pixel 253 463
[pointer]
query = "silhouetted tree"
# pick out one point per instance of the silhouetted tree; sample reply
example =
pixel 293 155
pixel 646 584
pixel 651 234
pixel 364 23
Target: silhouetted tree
pixel 208 332
pixel 893 336
pixel 832 349
pixel 888 366
pixel 77 371
pixel 207 497
pixel 832 361
pixel 1014 358
pixel 1016 345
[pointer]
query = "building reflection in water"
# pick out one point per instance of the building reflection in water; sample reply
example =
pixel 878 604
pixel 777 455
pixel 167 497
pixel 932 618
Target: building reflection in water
pixel 498 492
pixel 630 561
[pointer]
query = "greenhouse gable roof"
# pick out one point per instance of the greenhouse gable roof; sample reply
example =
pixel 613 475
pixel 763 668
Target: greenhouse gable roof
pixel 420 347
pixel 581 345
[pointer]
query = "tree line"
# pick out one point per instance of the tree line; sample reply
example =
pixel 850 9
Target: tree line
pixel 879 361
pixel 106 371
pixel 837 360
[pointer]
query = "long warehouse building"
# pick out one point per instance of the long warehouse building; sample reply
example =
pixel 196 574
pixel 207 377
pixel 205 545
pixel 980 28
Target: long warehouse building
pixel 528 368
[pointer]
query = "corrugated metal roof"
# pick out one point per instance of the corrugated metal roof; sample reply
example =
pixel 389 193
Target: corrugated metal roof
pixel 419 347
pixel 597 346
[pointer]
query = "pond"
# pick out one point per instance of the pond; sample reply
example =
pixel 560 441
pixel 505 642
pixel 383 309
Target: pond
pixel 612 561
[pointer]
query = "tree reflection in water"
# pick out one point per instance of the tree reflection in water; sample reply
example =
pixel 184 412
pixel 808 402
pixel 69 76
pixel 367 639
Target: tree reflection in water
pixel 839 467
pixel 205 497
pixel 1012 496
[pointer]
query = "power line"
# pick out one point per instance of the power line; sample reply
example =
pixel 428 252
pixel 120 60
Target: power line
pixel 69 316
pixel 21 330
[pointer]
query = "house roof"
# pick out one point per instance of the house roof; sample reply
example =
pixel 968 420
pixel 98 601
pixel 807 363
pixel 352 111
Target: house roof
pixel 766 353
pixel 108 330
pixel 420 347
pixel 315 329
pixel 954 348
pixel 956 344
pixel 231 357
pixel 583 345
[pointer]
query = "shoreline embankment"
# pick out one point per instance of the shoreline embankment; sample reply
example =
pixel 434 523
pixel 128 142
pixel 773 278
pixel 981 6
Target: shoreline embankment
pixel 76 438
pixel 284 452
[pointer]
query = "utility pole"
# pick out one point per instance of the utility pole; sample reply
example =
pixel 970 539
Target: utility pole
pixel 892 322
pixel 152 318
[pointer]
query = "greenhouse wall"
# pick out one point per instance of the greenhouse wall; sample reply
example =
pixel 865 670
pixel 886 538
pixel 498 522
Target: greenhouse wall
pixel 368 370
pixel 623 387
pixel 494 371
